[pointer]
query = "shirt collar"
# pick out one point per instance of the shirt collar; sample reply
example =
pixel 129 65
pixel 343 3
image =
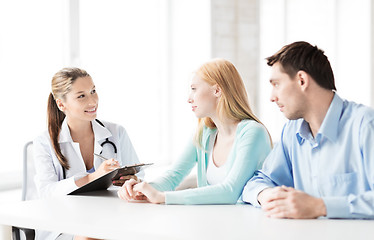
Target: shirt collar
pixel 65 132
pixel 329 127
pixel 303 132
pixel 330 124
pixel 100 132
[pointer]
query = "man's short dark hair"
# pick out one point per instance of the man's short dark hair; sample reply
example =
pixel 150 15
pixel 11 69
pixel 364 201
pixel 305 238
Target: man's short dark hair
pixel 303 56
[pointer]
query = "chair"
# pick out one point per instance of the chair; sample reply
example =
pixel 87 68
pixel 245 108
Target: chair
pixel 28 190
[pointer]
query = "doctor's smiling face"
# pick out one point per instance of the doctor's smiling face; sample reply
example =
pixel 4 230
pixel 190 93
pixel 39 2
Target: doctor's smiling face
pixel 81 102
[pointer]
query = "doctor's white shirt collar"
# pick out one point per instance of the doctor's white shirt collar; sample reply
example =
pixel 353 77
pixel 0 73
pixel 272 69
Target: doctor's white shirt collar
pixel 100 132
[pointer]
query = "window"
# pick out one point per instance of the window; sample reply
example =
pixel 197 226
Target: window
pixel 31 50
pixel 139 53
pixel 340 28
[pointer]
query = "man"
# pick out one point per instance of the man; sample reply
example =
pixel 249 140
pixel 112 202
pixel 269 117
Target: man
pixel 324 162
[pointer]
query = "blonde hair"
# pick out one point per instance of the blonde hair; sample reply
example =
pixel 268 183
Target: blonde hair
pixel 61 85
pixel 233 102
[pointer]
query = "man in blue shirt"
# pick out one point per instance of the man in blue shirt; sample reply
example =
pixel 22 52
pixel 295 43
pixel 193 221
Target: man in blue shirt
pixel 324 162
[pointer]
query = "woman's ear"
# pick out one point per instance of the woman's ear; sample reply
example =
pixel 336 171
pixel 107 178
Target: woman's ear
pixel 217 90
pixel 60 104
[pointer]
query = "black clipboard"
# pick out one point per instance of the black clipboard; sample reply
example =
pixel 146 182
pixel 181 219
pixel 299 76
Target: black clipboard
pixel 103 182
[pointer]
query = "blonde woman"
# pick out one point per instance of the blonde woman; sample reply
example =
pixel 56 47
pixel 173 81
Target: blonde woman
pixel 64 155
pixel 230 144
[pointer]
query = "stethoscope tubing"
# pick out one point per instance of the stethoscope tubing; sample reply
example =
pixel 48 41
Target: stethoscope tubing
pixel 107 141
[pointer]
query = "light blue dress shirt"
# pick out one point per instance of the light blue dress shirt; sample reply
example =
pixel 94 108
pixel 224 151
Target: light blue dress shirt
pixel 337 165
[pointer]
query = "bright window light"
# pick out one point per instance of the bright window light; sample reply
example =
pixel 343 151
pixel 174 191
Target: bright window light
pixel 140 54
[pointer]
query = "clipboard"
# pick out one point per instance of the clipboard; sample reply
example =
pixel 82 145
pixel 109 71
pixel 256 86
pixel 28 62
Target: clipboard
pixel 103 182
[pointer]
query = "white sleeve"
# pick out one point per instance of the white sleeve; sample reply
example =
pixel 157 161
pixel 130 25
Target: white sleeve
pixel 49 176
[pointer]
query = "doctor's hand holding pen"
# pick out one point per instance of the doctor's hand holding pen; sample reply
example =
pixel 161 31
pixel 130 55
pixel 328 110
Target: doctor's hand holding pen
pixel 105 167
pixel 117 182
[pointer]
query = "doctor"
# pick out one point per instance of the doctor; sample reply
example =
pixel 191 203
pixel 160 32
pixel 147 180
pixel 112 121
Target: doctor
pixel 64 155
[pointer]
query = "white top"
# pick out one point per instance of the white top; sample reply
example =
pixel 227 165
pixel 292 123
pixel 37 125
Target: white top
pixel 49 172
pixel 214 174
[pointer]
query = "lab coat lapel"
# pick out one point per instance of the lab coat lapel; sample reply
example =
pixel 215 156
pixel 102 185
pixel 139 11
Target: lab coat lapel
pixel 65 133
pixel 101 133
pixel 65 140
pixel 65 137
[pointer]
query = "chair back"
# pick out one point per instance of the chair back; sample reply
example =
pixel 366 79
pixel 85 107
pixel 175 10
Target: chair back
pixel 29 191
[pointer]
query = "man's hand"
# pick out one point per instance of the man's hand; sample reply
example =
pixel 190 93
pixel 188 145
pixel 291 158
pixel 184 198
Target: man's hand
pixel 287 202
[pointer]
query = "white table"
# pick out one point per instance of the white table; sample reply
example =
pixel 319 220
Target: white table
pixel 106 216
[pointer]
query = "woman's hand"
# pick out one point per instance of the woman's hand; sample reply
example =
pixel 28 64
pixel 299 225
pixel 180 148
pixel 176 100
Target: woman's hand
pixel 152 195
pixel 136 190
pixel 126 192
pixel 105 167
pixel 123 179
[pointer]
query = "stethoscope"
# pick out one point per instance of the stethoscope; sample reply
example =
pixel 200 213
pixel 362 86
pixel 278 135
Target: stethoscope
pixel 107 141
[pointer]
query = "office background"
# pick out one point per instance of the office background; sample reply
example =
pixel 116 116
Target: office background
pixel 142 54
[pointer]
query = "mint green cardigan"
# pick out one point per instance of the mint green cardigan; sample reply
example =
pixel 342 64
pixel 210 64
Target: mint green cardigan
pixel 249 150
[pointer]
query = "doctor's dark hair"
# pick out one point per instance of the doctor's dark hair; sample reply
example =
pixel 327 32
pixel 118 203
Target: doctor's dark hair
pixel 305 57
pixel 61 85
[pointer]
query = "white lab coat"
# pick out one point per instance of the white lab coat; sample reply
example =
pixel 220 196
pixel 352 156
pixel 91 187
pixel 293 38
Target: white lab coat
pixel 49 173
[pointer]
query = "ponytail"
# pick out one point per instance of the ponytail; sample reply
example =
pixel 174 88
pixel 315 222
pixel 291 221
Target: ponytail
pixel 55 119
pixel 61 85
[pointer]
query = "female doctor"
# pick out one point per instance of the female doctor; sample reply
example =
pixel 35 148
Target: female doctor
pixel 64 155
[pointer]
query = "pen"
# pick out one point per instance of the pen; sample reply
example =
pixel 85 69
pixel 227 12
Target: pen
pixel 104 158
pixel 98 155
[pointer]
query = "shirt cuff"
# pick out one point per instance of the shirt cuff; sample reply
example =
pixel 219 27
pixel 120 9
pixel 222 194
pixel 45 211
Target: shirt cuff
pixel 250 195
pixel 337 207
